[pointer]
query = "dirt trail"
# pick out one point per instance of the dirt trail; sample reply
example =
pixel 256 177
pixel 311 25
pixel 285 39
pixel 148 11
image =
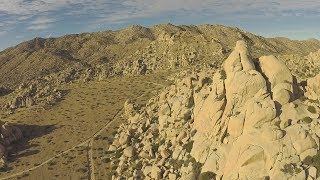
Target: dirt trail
pixel 88 142
pixel 90 139
pixel 91 161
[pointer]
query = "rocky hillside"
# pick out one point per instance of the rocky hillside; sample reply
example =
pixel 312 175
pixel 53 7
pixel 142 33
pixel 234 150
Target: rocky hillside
pixel 247 112
pixel 249 120
pixel 135 50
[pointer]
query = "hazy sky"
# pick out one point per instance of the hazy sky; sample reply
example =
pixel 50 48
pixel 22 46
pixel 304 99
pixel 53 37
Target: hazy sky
pixel 22 20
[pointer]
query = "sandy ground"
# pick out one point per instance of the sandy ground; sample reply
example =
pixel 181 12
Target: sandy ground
pixel 70 140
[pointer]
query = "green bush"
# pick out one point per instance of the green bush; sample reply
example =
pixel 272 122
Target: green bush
pixel 291 169
pixel 312 109
pixel 306 120
pixel 207 176
pixel 313 161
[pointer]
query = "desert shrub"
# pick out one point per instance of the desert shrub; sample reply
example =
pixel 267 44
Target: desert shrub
pixel 306 120
pixel 52 163
pixel 291 169
pixel 82 170
pixel 312 109
pixel 314 101
pixel 313 161
pixel 224 75
pixel 207 176
pixel 188 146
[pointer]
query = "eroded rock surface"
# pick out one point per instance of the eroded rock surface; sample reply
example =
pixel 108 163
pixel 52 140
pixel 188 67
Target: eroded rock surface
pixel 242 122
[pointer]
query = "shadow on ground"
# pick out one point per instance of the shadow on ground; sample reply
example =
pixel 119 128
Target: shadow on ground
pixel 23 147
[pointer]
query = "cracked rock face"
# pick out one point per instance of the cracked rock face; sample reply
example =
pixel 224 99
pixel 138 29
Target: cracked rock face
pixel 242 122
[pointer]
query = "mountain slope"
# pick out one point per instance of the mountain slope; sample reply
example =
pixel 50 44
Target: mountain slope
pixel 69 124
pixel 142 49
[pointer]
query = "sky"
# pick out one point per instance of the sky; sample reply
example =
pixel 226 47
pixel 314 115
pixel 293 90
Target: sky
pixel 22 20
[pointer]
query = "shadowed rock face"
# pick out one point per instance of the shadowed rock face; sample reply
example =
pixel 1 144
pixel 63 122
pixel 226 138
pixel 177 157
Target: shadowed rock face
pixel 242 122
pixel 9 134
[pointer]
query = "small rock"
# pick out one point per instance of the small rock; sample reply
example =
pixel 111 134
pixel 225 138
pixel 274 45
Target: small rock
pixel 134 119
pixel 2 163
pixel 225 140
pixel 123 139
pixel 161 162
pixel 112 148
pixel 155 173
pixel 177 151
pixel 164 153
pixel 309 152
pixel 182 135
pixel 147 170
pixel 119 170
pixel 165 109
pixel 172 176
pixel 128 151
pixel 312 171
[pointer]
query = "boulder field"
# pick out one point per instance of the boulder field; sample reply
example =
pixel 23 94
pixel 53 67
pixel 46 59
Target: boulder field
pixel 249 120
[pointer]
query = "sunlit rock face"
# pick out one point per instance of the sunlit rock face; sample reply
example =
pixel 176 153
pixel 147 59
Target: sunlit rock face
pixel 241 122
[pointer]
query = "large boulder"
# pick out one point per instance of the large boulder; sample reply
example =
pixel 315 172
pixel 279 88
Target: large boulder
pixel 239 59
pixel 279 77
pixel 208 111
pixel 313 88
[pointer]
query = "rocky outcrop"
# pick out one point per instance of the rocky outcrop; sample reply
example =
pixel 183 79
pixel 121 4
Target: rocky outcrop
pixel 313 88
pixel 242 122
pixel 8 135
pixel 279 79
pixel 36 92
pixel 314 57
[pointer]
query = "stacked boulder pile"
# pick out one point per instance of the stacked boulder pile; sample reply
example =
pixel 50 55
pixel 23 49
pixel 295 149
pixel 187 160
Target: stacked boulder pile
pixel 36 92
pixel 8 135
pixel 314 57
pixel 249 120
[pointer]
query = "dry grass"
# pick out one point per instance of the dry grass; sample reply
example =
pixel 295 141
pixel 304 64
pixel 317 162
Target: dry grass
pixel 84 111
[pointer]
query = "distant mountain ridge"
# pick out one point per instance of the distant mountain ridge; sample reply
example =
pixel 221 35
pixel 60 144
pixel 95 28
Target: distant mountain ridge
pixel 136 49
